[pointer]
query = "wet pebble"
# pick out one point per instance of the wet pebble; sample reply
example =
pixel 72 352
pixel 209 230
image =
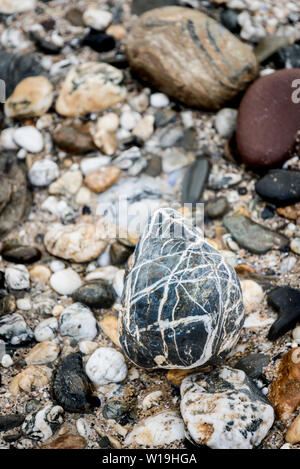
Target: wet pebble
pixel 194 181
pixel 226 122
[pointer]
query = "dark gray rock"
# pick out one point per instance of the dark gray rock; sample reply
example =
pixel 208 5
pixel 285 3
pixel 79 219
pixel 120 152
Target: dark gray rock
pixel 98 294
pixel 10 421
pixel 119 253
pixel 71 387
pixel 280 187
pixel 12 252
pixel 115 409
pixel 287 57
pixel 252 236
pixel 253 365
pixel 182 304
pixel 140 6
pixel 194 181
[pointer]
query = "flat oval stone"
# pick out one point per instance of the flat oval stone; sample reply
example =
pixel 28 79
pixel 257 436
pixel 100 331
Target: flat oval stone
pixel 21 254
pixel 182 304
pixel 268 120
pixel 95 294
pixel 75 139
pixel 281 187
pixel 253 236
pixel 194 181
pixel 190 56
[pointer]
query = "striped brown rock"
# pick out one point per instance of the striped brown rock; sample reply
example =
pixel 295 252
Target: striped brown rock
pixel 190 56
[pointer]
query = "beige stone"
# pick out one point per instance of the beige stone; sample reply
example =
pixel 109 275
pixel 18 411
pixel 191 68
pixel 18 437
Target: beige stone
pixel 109 325
pixel 32 97
pixel 32 376
pixel 83 197
pixel 40 273
pixel 102 178
pixel 190 56
pixel 293 433
pixel 42 353
pixel 83 242
pixel 90 87
pixel 68 441
pixel 68 184
pixel 144 128
pixel 117 31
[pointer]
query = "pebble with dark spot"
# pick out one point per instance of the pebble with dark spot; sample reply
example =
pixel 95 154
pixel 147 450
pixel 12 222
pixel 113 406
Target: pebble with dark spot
pixel 20 254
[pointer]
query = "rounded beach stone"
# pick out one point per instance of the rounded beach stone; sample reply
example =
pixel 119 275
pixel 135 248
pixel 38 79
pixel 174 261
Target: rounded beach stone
pixel 225 410
pixel 268 120
pixel 182 303
pixel 106 365
pixel 190 56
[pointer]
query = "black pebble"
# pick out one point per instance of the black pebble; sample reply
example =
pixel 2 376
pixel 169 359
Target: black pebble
pixel 253 365
pixel 98 41
pixel 194 181
pixel 287 57
pixel 71 387
pixel 286 301
pixel 229 19
pixel 280 187
pixel 268 212
pixel 8 422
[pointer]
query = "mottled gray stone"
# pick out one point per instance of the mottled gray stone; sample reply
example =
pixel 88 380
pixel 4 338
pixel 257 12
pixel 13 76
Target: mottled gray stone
pixel 182 303
pixel 253 236
pixel 194 181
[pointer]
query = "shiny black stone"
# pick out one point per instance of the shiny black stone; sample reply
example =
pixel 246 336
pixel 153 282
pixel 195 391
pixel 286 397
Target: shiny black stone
pixel 99 41
pixel 286 301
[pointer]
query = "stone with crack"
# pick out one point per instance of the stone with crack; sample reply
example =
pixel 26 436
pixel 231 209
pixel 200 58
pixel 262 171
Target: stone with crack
pixel 182 303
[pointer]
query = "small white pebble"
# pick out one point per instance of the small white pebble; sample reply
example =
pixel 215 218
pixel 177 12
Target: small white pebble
pixel 105 366
pixel 24 304
pixel 159 100
pixel 7 361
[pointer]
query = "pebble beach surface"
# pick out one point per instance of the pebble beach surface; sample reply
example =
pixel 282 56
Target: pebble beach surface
pixel 147 325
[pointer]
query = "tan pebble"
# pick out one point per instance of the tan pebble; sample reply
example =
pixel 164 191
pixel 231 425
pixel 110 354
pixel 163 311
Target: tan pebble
pixel 106 141
pixel 57 310
pixel 244 269
pixel 87 346
pixel 32 376
pixel 253 295
pixel 68 184
pixel 109 325
pixel 101 179
pixel 109 122
pixel 68 163
pixel 292 212
pixel 285 389
pixel 32 97
pixel 144 128
pixel 42 353
pixel 117 31
pixel 40 273
pixel 177 376
pixel 68 441
pixel 293 433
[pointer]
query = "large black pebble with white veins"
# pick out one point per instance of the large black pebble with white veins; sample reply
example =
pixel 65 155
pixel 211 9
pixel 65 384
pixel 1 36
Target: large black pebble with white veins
pixel 182 304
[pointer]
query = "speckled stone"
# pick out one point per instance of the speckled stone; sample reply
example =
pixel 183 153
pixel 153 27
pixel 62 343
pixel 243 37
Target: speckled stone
pixel 268 120
pixel 253 236
pixel 182 304
pixel 225 410
pixel 163 44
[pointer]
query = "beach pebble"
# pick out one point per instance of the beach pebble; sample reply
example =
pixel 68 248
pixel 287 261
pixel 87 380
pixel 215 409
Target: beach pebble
pixel 253 295
pixel 65 282
pixel 78 322
pixel 295 245
pixel 17 277
pixel 293 432
pixel 46 330
pixel 106 365
pixel 296 334
pixel 42 353
pixel 226 122
pixel 43 172
pixel 9 7
pixel 6 361
pixel 159 100
pixel 68 184
pixel 101 179
pixel 43 424
pixel 97 19
pixel 29 138
pixel 156 431
pixel 24 304
pixel 87 347
pixel 32 97
pixel 88 165
pixel 31 377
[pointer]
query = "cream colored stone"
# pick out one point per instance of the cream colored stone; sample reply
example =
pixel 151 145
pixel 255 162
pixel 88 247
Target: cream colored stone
pixel 90 87
pixel 117 31
pixel 42 353
pixel 109 325
pixel 106 141
pixel 40 273
pixel 57 310
pixel 16 6
pixel 253 295
pixel 83 242
pixel 101 179
pixel 32 97
pixel 68 184
pixel 144 128
pixel 83 197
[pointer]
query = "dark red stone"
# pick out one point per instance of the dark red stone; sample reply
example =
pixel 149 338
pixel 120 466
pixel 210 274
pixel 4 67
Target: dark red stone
pixel 268 120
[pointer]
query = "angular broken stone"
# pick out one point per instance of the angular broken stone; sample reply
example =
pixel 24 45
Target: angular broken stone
pixel 286 301
pixel 253 236
pixel 182 303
